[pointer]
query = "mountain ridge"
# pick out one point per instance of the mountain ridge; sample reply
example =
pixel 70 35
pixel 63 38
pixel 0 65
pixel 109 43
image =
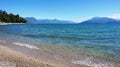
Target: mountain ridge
pixel 94 20
pixel 47 21
pixel 100 20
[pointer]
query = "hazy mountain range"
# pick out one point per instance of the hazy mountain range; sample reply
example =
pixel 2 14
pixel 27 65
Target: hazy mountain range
pixel 47 21
pixel 93 20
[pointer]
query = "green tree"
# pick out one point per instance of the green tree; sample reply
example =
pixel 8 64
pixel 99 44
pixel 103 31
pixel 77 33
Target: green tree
pixel 11 18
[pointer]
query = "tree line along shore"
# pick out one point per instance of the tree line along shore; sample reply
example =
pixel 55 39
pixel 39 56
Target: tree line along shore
pixel 10 18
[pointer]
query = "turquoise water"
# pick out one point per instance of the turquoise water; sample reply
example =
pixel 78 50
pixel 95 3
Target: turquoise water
pixel 102 40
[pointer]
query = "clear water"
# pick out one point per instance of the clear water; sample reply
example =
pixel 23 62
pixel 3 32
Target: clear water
pixel 101 40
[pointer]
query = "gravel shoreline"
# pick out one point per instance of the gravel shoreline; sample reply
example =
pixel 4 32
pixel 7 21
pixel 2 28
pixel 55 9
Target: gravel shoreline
pixel 10 58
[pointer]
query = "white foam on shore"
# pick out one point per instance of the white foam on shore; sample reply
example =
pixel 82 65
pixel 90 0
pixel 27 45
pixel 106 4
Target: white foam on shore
pixel 91 63
pixel 26 45
pixel 2 41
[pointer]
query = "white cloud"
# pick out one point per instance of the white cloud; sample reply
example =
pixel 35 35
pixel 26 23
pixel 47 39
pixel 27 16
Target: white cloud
pixel 114 16
pixel 78 20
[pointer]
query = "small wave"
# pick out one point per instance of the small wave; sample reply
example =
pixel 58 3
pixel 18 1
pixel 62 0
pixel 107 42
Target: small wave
pixel 83 37
pixel 2 41
pixel 26 45
pixel 51 36
pixel 89 62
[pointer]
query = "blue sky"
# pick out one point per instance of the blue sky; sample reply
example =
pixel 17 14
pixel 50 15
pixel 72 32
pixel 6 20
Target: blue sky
pixel 75 10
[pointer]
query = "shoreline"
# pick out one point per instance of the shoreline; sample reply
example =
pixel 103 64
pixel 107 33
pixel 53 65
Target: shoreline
pixel 2 23
pixel 13 58
pixel 19 53
pixel 44 57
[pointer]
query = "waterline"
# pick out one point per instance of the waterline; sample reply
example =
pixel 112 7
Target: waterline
pixel 26 45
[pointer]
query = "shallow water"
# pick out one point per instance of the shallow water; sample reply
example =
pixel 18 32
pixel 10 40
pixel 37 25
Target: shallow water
pixel 94 40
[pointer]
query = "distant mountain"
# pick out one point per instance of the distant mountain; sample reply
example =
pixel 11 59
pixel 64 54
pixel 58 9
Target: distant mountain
pixel 47 21
pixel 101 20
pixel 31 20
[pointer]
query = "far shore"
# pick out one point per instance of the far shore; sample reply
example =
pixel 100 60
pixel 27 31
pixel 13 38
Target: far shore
pixel 3 23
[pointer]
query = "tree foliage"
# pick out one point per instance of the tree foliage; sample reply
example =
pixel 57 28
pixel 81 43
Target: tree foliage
pixel 11 18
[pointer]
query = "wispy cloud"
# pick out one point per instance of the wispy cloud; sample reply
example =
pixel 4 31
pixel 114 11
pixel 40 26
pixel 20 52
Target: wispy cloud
pixel 114 16
pixel 78 20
